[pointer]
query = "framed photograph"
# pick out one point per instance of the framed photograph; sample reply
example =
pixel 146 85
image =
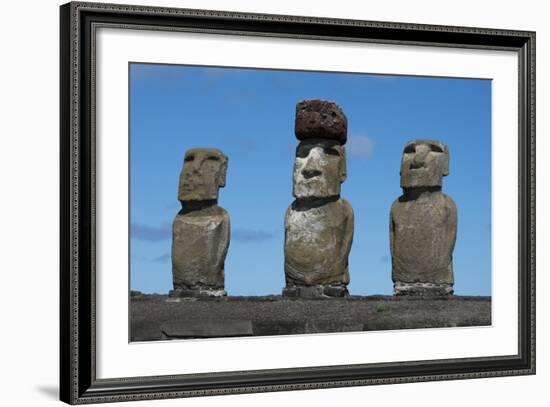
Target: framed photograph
pixel 254 203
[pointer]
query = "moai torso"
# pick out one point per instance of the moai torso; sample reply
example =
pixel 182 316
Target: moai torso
pixel 318 224
pixel 200 231
pixel 423 237
pixel 200 241
pixel 317 243
pixel 423 223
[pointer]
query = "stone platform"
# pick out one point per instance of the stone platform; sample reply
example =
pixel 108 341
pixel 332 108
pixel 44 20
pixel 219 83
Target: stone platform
pixel 156 317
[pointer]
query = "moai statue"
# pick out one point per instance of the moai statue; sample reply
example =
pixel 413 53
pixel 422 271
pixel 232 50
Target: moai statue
pixel 423 223
pixel 318 224
pixel 200 232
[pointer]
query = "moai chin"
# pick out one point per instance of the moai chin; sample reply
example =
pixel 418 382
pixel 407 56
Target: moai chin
pixel 423 223
pixel 318 224
pixel 200 232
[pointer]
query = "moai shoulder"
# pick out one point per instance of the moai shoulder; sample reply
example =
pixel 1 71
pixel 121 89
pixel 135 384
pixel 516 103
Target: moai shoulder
pixel 430 209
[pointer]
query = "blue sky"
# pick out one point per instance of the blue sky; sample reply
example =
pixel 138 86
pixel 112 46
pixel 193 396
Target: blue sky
pixel 249 115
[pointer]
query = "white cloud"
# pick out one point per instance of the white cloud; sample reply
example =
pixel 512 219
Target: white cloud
pixel 360 145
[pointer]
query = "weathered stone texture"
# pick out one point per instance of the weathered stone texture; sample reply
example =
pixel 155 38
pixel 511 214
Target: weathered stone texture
pixel 200 241
pixel 424 164
pixel 423 237
pixel 203 173
pixel 318 224
pixel 200 231
pixel 152 317
pixel 319 169
pixel 317 118
pixel 423 223
pixel 317 243
pixel 205 328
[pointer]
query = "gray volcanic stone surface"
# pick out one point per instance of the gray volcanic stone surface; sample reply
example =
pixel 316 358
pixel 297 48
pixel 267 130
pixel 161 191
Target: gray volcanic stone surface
pixel 423 238
pixel 424 164
pixel 188 328
pixel 319 169
pixel 317 118
pixel 275 315
pixel 200 231
pixel 423 223
pixel 200 240
pixel 317 243
pixel 202 174
pixel 318 224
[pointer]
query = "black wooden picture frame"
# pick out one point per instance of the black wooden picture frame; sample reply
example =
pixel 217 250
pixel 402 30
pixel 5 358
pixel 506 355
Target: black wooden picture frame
pixel 78 381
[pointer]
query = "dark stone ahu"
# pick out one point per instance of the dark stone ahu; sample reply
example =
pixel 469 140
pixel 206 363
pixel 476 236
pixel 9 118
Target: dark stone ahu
pixel 423 223
pixel 200 232
pixel 318 224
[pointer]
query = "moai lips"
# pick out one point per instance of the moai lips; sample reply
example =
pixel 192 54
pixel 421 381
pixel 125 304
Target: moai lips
pixel 200 232
pixel 318 224
pixel 423 223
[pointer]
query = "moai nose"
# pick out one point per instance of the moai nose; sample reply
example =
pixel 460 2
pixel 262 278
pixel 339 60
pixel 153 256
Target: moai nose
pixel 310 173
pixel 420 156
pixel 311 169
pixel 197 165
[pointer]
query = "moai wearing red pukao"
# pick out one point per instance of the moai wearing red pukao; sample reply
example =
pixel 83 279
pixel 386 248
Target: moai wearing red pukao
pixel 319 223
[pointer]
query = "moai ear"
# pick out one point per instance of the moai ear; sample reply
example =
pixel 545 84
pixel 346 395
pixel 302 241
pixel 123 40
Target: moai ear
pixel 446 159
pixel 222 173
pixel 443 160
pixel 343 166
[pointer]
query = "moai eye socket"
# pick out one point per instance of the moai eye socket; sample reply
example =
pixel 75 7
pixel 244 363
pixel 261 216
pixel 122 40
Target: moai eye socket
pixel 411 148
pixel 436 148
pixel 213 157
pixel 303 150
pixel 189 158
pixel 331 151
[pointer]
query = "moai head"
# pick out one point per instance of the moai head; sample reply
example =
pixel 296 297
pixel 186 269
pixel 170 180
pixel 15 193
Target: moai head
pixel 320 164
pixel 203 172
pixel 424 164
